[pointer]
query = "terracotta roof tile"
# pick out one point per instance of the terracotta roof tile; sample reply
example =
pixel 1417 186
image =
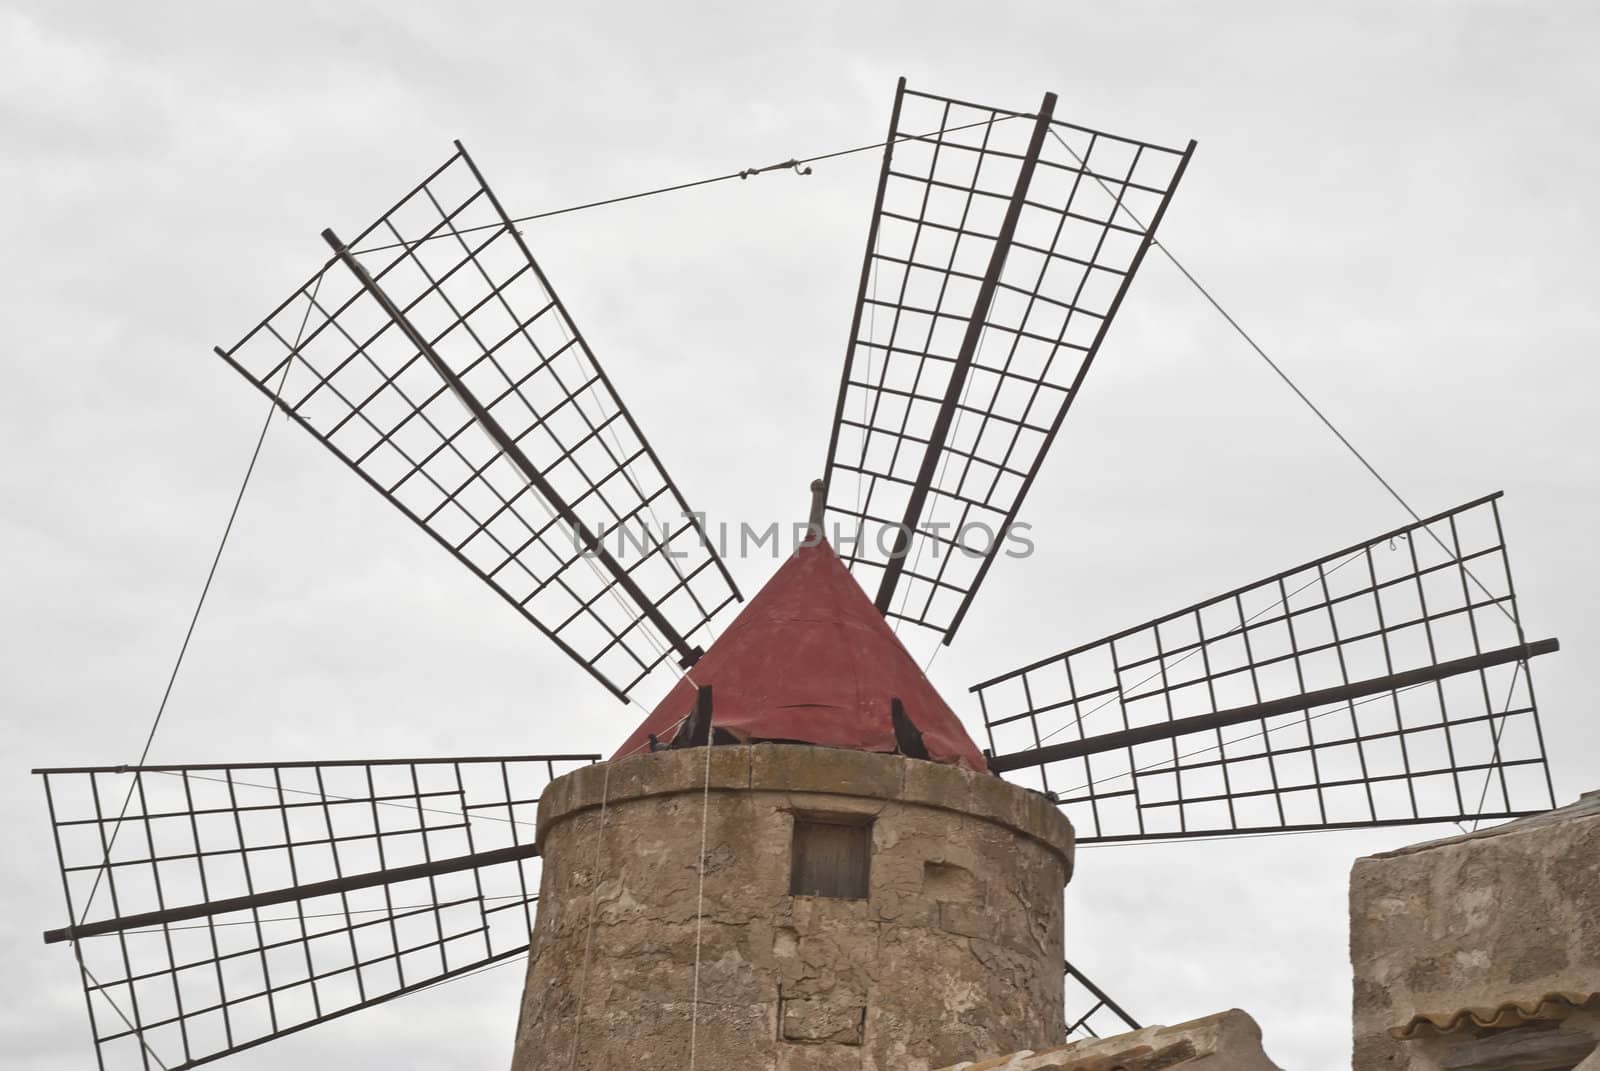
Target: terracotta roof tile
pixel 1229 1039
pixel 1551 1007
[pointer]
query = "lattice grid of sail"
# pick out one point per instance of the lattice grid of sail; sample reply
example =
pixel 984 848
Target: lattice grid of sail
pixel 241 903
pixel 459 274
pixel 1384 684
pixel 1000 249
pixel 1090 1012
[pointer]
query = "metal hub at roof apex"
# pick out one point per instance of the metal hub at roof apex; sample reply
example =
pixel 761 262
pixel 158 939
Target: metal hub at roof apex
pixel 819 503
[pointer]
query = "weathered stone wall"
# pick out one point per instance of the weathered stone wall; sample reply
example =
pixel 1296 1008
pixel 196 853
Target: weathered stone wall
pixel 1504 916
pixel 957 949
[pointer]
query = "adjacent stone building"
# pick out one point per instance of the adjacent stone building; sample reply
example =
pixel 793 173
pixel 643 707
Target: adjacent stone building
pixel 1481 952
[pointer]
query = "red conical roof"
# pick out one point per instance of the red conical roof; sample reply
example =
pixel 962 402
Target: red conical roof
pixel 811 660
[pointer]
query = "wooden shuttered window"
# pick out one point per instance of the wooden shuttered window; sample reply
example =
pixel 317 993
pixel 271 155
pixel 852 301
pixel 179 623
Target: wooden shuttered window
pixel 832 857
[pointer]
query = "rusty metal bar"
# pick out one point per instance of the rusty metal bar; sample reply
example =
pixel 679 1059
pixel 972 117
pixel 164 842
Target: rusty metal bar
pixel 687 655
pixel 1144 734
pixel 866 276
pixel 577 334
pixel 310 764
pixel 291 893
pixel 969 346
pixel 1072 392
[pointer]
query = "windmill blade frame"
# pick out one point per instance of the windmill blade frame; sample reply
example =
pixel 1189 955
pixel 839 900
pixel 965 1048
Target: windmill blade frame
pixel 1384 684
pixel 236 903
pixel 1096 1007
pixel 433 357
pixel 999 242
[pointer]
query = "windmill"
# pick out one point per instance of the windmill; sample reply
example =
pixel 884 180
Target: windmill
pixel 213 908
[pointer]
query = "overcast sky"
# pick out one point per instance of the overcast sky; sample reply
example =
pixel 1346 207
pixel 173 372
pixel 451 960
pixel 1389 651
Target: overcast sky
pixel 1397 200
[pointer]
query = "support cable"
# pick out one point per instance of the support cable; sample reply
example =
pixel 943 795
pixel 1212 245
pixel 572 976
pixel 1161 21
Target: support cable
pixel 1320 415
pixel 799 166
pixel 205 589
pixel 137 1033
pixel 1488 775
pixel 1276 368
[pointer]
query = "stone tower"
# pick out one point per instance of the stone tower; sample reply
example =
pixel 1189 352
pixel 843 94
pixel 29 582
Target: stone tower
pixel 834 882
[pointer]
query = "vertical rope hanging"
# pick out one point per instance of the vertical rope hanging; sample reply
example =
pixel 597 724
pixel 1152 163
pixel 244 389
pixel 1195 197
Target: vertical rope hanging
pixel 700 902
pixel 588 928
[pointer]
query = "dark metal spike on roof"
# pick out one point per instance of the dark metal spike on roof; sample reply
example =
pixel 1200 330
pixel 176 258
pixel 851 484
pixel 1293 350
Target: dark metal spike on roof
pixel 907 737
pixel 696 728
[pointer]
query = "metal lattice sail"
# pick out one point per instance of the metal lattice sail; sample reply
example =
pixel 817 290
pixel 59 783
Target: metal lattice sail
pixel 228 905
pixel 1000 248
pixel 434 358
pixel 1384 684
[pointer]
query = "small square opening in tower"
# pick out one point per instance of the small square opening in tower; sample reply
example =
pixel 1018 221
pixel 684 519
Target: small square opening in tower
pixel 832 856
